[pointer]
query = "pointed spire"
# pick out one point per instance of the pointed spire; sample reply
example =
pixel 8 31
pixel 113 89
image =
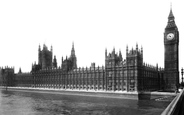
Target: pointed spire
pixel 119 51
pixel 51 48
pixel 114 49
pixel 137 46
pixel 171 16
pixel 105 52
pixel 72 45
pixel 44 47
pixel 113 52
pixel 55 58
pixel 55 62
pixel 20 71
pixel 171 22
pixel 127 49
pixel 171 6
pixel 120 55
pixel 73 50
pixel 142 52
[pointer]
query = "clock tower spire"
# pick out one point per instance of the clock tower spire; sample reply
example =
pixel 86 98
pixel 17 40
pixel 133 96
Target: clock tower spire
pixel 171 59
pixel 171 21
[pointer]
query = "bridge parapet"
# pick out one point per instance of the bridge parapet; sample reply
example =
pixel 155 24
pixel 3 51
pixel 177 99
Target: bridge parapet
pixel 176 106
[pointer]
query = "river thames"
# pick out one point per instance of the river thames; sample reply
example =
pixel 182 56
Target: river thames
pixel 34 103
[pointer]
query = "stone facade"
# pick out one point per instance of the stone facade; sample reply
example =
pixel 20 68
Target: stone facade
pixel 130 74
pixel 45 57
pixel 7 76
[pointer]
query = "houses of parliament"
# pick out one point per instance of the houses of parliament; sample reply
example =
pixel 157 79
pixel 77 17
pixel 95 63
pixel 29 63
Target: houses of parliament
pixel 128 74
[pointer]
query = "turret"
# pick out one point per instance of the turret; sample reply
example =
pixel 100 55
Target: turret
pixel 20 71
pixel 44 47
pixel 39 54
pixel 127 50
pixel 55 62
pixel 51 49
pixel 73 51
pixel 73 58
pixel 113 52
pixel 136 47
pixel 105 52
pixel 120 55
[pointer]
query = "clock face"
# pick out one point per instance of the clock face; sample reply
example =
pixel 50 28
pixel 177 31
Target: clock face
pixel 170 36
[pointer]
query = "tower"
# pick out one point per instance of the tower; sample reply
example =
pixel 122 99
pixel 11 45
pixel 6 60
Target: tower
pixel 55 62
pixel 39 55
pixel 134 62
pixel 171 59
pixel 112 65
pixel 71 62
pixel 73 57
pixel 45 57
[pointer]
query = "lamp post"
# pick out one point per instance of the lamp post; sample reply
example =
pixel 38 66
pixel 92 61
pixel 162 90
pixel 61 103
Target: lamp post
pixel 182 76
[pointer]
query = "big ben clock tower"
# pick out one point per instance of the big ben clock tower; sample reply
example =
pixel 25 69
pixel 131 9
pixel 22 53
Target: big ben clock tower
pixel 171 43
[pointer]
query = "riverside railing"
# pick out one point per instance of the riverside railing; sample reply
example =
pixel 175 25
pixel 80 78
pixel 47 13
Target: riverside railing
pixel 175 107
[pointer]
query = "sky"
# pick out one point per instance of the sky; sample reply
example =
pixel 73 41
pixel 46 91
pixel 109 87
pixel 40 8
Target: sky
pixel 92 25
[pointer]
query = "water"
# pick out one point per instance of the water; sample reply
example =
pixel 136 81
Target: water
pixel 33 103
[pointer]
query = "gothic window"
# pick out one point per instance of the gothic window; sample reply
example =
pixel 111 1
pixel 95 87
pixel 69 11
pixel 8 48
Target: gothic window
pixel 135 62
pixel 132 61
pixel 125 73
pixel 124 82
pixel 135 73
pixel 131 73
pixel 110 74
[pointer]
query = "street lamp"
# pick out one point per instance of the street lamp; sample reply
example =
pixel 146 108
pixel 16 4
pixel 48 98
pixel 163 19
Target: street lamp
pixel 182 76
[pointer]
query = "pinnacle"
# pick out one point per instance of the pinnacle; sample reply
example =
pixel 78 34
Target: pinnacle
pixel 171 14
pixel 72 46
